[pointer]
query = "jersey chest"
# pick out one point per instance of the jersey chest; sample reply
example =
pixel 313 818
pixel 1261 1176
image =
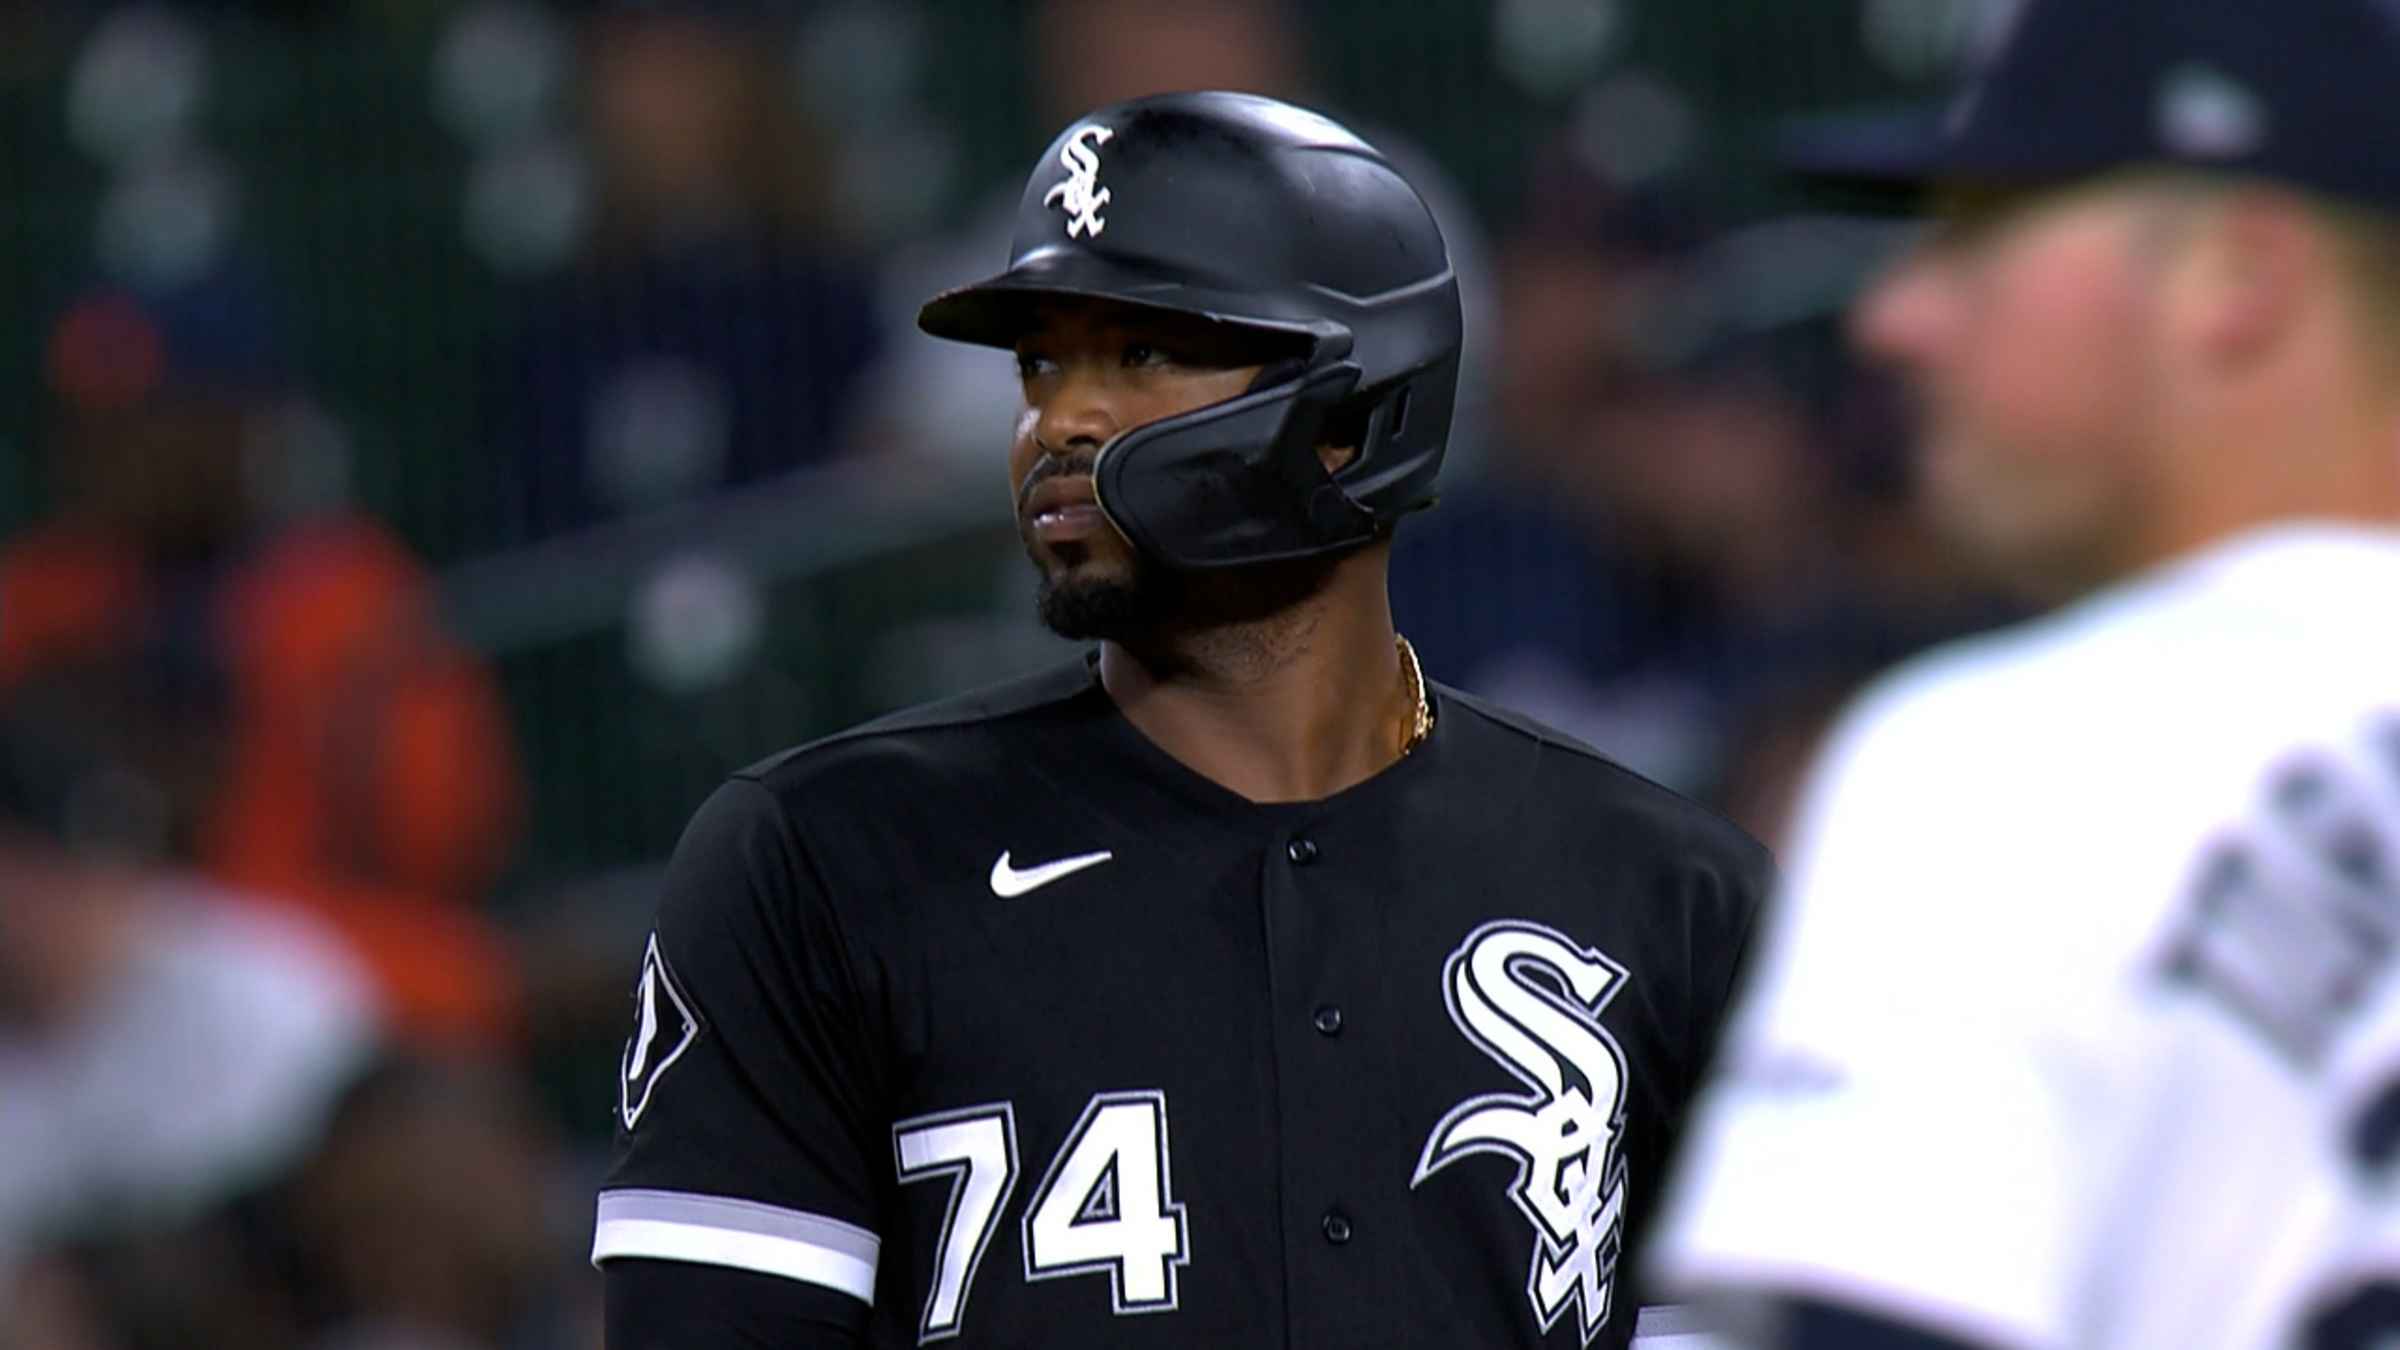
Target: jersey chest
pixel 1146 1085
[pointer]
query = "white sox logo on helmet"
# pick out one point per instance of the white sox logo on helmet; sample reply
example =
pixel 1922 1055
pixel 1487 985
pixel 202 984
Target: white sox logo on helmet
pixel 1079 194
pixel 1530 998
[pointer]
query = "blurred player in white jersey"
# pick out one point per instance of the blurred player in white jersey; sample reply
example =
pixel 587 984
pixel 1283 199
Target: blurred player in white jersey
pixel 2076 1027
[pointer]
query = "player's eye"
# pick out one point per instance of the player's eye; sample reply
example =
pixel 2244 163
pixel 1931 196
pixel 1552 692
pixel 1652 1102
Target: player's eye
pixel 1139 354
pixel 1033 365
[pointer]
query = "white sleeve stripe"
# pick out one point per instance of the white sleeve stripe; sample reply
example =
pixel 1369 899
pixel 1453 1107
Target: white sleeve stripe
pixel 719 1230
pixel 740 1216
pixel 804 1261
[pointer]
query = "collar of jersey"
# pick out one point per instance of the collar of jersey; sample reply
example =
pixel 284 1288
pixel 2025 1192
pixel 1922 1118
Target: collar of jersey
pixel 1210 797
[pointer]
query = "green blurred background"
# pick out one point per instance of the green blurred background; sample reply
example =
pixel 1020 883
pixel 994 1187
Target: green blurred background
pixel 323 131
pixel 587 326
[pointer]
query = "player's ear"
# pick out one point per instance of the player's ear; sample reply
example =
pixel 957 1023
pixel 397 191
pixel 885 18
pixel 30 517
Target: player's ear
pixel 2255 255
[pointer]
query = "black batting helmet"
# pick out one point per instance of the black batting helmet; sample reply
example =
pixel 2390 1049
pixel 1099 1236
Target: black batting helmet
pixel 1260 215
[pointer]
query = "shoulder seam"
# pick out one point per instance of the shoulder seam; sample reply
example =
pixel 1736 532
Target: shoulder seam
pixel 1557 740
pixel 924 717
pixel 806 858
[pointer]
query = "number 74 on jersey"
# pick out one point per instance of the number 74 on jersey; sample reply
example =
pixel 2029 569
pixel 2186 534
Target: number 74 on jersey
pixel 1106 1205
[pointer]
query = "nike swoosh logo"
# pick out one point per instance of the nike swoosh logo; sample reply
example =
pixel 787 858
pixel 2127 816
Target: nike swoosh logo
pixel 1008 882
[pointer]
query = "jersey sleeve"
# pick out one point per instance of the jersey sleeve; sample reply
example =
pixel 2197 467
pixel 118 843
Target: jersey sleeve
pixel 1737 886
pixel 748 1116
pixel 1894 1122
pixel 666 1305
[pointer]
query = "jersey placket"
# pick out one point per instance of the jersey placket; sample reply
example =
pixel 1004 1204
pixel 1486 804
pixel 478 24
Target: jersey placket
pixel 1323 935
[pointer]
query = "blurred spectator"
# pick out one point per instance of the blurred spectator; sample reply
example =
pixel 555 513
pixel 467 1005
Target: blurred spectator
pixel 1524 584
pixel 1774 729
pixel 423 1218
pixel 942 402
pixel 1787 512
pixel 709 335
pixel 1688 492
pixel 342 754
pixel 167 1050
pixel 207 1137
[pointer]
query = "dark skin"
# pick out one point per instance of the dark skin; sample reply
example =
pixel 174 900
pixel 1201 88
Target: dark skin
pixel 1280 683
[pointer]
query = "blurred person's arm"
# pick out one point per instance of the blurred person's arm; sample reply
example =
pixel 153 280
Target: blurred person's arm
pixel 754 1151
pixel 1905 1128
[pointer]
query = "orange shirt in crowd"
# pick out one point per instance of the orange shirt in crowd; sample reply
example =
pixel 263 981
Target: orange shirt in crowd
pixel 368 771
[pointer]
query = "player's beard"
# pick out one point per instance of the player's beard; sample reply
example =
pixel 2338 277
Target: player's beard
pixel 1145 602
pixel 1108 608
pixel 1133 601
pixel 1088 598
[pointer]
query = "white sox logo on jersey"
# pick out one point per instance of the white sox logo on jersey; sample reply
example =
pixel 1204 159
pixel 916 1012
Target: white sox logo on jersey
pixel 1531 999
pixel 1080 194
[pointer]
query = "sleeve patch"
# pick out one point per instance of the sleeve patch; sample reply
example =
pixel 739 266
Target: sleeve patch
pixel 664 1027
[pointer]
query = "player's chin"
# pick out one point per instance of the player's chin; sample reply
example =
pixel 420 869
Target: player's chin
pixel 1101 600
pixel 2018 540
pixel 1965 483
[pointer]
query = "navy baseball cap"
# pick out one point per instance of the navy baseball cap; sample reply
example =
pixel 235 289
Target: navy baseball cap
pixel 2299 91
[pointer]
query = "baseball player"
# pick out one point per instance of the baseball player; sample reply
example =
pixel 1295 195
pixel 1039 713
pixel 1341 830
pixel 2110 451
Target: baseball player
pixel 1229 985
pixel 2076 1026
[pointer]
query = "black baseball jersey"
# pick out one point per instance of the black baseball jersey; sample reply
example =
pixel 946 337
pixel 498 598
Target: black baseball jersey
pixel 992 1021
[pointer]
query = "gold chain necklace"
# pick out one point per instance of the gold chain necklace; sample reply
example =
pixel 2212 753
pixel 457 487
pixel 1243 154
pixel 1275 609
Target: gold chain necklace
pixel 1415 675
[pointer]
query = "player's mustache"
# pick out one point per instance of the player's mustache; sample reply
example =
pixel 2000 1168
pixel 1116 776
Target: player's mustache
pixel 1053 466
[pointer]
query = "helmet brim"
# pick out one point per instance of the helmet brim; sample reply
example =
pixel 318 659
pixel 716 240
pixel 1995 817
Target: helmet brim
pixel 1000 310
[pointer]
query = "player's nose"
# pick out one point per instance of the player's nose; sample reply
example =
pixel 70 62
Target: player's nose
pixel 1909 313
pixel 1079 411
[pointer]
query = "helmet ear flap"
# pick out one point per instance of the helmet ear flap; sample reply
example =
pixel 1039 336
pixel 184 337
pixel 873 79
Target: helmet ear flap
pixel 1236 482
pixel 1389 476
pixel 1368 423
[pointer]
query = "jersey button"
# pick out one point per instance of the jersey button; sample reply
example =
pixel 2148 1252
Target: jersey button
pixel 1302 852
pixel 1329 1020
pixel 1337 1227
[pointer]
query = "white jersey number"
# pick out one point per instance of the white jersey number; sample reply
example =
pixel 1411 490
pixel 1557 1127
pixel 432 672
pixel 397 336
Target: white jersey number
pixel 1106 1206
pixel 978 1147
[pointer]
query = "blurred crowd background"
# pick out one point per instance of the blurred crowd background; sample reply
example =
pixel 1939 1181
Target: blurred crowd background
pixel 438 440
